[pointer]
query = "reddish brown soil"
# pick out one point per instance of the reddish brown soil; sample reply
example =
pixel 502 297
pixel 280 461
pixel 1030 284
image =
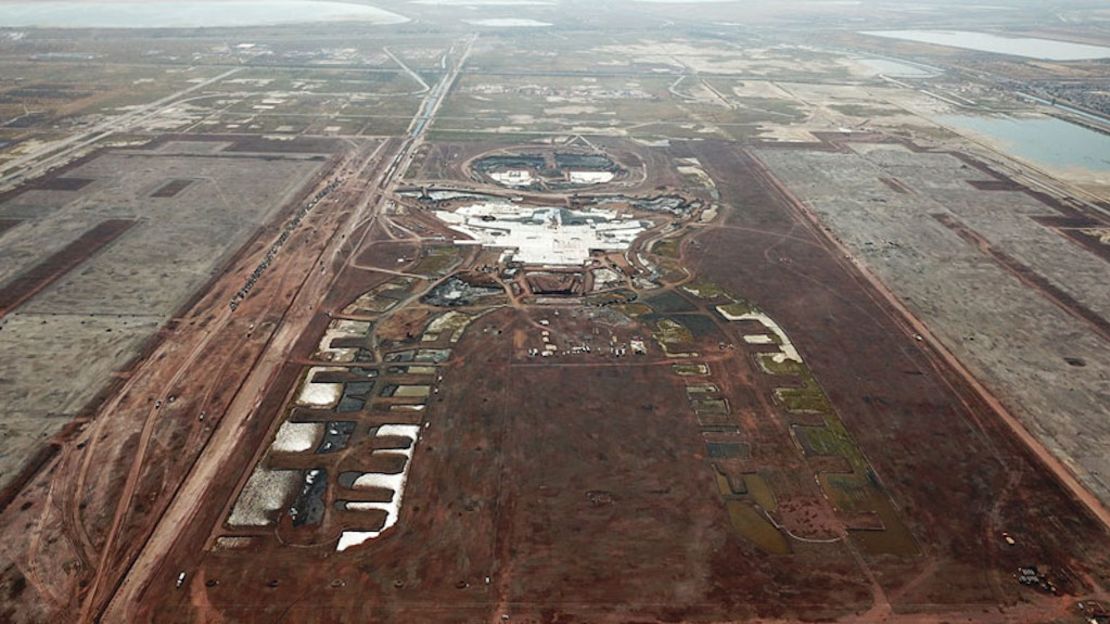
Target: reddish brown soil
pixel 579 489
pixel 96 501
pixel 38 277
pixel 627 432
pixel 552 481
pixel 959 474
pixel 582 488
pixel 405 325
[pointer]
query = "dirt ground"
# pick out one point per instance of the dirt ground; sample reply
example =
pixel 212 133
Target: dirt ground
pixel 1014 298
pixel 937 448
pixel 531 500
pixel 112 477
pixel 537 487
pixel 254 370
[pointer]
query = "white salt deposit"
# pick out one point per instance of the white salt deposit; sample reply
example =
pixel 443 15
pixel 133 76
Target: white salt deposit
pixel 371 480
pixel 341 328
pixel 404 431
pixel 360 506
pixel 590 177
pixel 354 538
pixel 455 322
pixel 786 349
pixel 407 408
pixel 319 395
pixel 265 493
pixel 392 482
pixel 296 437
pixel 233 542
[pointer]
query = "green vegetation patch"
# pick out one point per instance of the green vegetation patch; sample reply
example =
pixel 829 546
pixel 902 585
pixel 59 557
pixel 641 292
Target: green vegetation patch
pixel 729 487
pixel 863 110
pixel 706 290
pixel 728 450
pixel 714 407
pixel 785 367
pixel 668 247
pixel 861 494
pixel 760 491
pixel 738 308
pixel 438 261
pixel 807 399
pixel 634 310
pixel 832 439
pixel 669 302
pixel 700 389
pixel 817 441
pixel 670 332
pixel 756 528
pixel 621 299
pixel 691 370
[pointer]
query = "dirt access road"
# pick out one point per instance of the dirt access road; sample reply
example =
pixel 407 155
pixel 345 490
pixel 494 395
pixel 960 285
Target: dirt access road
pixel 224 442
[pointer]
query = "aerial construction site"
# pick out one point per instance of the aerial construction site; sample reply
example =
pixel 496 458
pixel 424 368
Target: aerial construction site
pixel 535 311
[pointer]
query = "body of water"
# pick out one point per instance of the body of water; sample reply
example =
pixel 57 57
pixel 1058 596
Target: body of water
pixel 898 69
pixel 1043 141
pixel 187 14
pixel 508 22
pixel 1029 47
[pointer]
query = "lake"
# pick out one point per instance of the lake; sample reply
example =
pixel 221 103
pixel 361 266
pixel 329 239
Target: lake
pixel 188 14
pixel 507 22
pixel 1043 141
pixel 1029 47
pixel 898 69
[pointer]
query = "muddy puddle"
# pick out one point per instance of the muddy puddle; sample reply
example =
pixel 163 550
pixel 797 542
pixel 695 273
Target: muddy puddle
pixel 308 508
pixel 336 436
